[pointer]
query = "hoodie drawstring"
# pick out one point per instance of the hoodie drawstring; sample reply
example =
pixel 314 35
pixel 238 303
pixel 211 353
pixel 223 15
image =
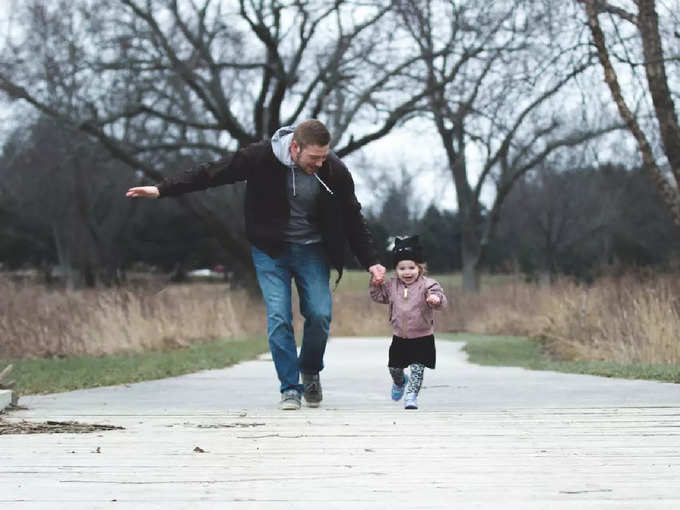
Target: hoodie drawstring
pixel 318 179
pixel 292 171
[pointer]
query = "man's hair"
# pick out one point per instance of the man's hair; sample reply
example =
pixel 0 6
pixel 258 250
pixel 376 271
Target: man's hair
pixel 311 132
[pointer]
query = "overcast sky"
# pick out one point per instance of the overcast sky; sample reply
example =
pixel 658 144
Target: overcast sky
pixel 415 146
pixel 404 148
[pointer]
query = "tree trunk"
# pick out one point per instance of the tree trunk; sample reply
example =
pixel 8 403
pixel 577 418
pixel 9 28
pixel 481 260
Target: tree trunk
pixel 648 25
pixel 668 193
pixel 470 273
pixel 64 258
pixel 471 254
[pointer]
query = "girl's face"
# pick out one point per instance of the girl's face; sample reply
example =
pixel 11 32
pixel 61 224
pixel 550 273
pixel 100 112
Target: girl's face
pixel 407 271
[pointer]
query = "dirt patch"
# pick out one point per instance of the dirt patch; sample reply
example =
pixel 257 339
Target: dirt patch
pixel 52 427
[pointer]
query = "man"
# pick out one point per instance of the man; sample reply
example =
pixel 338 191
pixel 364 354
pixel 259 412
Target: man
pixel 300 207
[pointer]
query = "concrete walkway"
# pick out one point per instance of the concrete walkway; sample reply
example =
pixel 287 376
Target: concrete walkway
pixel 484 437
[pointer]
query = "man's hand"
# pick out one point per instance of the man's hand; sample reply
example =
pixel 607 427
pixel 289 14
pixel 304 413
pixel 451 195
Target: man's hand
pixel 143 192
pixel 377 273
pixel 433 300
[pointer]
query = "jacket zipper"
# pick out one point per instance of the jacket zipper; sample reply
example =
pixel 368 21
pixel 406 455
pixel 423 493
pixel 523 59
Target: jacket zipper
pixel 403 315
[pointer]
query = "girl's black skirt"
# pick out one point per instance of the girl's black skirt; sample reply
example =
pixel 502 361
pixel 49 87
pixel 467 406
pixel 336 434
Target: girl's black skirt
pixel 404 351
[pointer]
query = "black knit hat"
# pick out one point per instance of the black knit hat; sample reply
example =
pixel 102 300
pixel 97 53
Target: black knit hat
pixel 407 248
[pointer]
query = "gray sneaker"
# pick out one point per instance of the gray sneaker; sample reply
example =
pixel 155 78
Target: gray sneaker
pixel 290 400
pixel 313 394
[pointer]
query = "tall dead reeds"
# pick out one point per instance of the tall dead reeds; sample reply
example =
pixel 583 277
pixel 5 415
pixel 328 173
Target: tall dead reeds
pixel 41 323
pixel 630 319
pixel 626 319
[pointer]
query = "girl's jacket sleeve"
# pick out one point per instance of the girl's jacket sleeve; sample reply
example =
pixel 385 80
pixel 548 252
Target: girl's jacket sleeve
pixel 433 288
pixel 380 292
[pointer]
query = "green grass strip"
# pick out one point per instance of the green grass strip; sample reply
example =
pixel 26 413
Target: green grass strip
pixel 529 353
pixel 57 375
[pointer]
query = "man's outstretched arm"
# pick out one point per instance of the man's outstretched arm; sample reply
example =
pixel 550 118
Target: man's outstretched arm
pixel 227 170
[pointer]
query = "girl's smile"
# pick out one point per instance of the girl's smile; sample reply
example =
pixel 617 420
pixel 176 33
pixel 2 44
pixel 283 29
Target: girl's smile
pixel 407 271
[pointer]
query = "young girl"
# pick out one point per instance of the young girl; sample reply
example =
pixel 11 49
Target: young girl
pixel 412 297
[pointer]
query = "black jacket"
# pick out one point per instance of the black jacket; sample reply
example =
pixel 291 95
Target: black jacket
pixel 266 205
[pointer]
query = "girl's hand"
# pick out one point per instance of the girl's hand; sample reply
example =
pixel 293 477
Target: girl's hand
pixel 433 300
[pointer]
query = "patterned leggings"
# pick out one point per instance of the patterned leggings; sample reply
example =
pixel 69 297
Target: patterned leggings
pixel 415 379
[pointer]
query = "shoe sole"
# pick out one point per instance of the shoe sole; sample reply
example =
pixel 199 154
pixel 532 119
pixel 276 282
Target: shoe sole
pixel 314 401
pixel 289 407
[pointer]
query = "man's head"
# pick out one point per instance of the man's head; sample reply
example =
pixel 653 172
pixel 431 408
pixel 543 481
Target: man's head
pixel 310 145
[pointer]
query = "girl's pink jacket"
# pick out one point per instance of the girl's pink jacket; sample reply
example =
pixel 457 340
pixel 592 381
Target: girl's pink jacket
pixel 409 313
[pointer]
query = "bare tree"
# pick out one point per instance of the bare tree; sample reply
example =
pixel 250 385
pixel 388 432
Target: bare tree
pixel 55 186
pixel 645 23
pixel 158 78
pixel 496 79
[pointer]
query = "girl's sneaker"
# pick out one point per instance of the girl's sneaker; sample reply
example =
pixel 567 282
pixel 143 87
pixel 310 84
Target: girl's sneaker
pixel 411 401
pixel 398 391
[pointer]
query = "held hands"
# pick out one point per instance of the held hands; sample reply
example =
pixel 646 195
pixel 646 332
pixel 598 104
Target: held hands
pixel 143 192
pixel 378 272
pixel 433 300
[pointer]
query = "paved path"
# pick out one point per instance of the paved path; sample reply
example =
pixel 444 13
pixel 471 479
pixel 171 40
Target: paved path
pixel 484 438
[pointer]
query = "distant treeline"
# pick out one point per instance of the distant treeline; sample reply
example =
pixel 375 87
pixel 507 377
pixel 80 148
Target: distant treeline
pixel 573 221
pixel 62 205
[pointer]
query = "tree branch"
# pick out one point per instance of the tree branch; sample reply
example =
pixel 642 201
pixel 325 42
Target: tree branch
pixel 668 193
pixel 221 113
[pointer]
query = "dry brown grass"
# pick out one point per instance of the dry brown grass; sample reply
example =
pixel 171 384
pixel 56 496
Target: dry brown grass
pixel 356 314
pixel 628 319
pixel 499 309
pixel 508 309
pixel 37 322
pixel 632 319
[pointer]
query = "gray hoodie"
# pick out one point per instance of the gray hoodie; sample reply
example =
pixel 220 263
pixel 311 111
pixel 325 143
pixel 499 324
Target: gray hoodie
pixel 303 190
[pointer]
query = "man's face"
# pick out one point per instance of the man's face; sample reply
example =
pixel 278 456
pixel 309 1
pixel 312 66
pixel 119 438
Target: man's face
pixel 310 158
pixel 407 271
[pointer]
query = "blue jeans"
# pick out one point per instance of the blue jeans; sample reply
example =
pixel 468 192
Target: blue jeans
pixel 308 264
